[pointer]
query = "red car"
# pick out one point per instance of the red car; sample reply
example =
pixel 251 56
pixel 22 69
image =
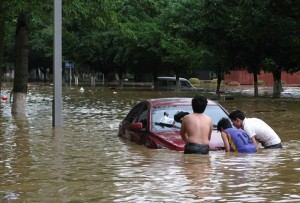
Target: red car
pixel 151 123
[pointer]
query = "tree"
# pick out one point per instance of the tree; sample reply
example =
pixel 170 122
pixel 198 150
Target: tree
pixel 2 30
pixel 139 22
pixel 268 36
pixel 201 36
pixel 87 35
pixel 282 41
pixel 3 19
pixel 249 23
pixel 178 50
pixel 217 37
pixel 151 37
pixel 17 16
pixel 21 65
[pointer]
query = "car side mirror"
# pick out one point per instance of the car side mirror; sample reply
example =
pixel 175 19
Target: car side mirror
pixel 136 126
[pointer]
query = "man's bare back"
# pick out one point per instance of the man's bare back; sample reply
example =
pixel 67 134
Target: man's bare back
pixel 196 128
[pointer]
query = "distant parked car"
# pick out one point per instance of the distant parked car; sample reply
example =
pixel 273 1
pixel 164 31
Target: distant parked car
pixel 151 123
pixel 169 83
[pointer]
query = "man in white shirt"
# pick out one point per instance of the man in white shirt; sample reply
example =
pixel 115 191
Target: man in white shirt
pixel 256 129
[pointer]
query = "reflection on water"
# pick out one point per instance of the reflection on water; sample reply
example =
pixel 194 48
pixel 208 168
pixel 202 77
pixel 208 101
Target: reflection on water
pixel 86 162
pixel 288 92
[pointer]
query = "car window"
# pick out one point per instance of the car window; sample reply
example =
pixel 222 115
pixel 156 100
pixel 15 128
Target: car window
pixel 143 117
pixel 185 84
pixel 131 116
pixel 135 114
pixel 172 83
pixel 158 113
pixel 215 112
pixel 163 83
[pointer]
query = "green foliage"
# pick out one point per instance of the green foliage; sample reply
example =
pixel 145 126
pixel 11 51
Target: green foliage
pixel 153 36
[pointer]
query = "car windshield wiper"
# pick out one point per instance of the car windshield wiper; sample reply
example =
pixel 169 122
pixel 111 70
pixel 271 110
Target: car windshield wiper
pixel 167 125
pixel 175 126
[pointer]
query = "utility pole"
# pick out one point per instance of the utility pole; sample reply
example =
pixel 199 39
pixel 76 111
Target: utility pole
pixel 57 120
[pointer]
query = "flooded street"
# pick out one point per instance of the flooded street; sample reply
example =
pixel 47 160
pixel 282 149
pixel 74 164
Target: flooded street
pixel 86 161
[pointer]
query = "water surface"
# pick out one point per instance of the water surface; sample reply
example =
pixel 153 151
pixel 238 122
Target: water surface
pixel 85 161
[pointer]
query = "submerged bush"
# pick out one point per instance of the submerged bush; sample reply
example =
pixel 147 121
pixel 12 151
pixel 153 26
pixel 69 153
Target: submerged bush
pixel 195 81
pixel 214 81
pixel 260 82
pixel 234 83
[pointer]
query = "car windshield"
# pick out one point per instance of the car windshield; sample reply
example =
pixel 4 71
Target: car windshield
pixel 163 116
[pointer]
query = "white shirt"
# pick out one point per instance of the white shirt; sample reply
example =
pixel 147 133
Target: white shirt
pixel 262 131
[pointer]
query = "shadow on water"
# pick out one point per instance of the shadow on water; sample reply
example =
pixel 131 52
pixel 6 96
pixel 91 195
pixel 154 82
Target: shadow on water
pixel 85 161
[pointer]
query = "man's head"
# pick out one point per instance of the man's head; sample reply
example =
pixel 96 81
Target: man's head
pixel 237 118
pixel 199 104
pixel 223 124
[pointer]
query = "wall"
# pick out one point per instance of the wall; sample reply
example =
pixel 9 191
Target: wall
pixel 245 78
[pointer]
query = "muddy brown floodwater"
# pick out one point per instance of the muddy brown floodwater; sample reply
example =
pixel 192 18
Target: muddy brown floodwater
pixel 85 161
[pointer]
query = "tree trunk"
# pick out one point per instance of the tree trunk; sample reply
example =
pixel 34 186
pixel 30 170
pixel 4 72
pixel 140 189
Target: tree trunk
pixel 219 80
pixel 155 82
pixel 93 81
pixel 121 80
pixel 177 83
pixel 21 66
pixel 255 84
pixel 105 77
pixel 76 80
pixel 277 88
pixel 2 34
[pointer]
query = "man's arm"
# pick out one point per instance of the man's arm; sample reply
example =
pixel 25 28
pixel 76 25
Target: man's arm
pixel 210 131
pixel 225 140
pixel 183 133
pixel 251 133
pixel 254 142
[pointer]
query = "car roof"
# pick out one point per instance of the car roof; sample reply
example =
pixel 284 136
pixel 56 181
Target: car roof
pixel 175 101
pixel 170 78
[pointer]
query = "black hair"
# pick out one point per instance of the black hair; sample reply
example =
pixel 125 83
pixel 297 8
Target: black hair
pixel 237 114
pixel 199 104
pixel 179 115
pixel 224 123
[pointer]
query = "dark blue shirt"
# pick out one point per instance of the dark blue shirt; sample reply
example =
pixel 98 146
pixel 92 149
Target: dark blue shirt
pixel 239 141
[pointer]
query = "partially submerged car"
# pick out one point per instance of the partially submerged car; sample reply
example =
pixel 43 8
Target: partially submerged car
pixel 169 83
pixel 151 123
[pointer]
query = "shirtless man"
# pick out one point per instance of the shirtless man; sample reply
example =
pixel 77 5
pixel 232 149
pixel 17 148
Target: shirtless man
pixel 196 128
